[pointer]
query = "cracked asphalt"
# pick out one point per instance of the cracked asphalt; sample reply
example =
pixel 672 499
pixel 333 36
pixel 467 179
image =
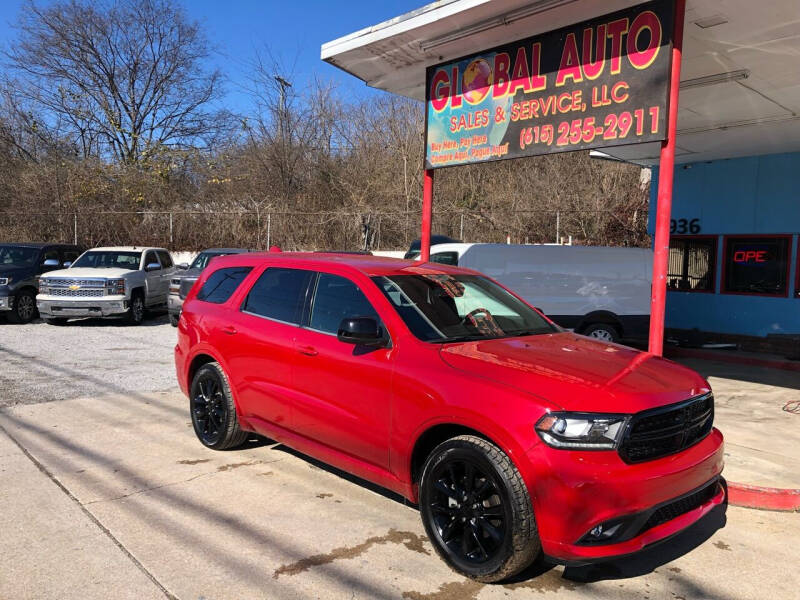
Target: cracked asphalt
pixel 105 492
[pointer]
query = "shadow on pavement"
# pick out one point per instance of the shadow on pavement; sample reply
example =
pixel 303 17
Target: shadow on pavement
pixel 752 374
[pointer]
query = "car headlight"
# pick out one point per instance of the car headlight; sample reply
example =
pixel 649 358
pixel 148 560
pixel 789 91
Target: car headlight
pixel 115 287
pixel 581 431
pixel 5 280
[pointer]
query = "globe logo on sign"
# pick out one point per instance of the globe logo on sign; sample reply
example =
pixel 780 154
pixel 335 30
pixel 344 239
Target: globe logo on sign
pixel 476 81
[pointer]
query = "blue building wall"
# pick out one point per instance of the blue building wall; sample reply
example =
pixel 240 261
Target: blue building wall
pixel 753 195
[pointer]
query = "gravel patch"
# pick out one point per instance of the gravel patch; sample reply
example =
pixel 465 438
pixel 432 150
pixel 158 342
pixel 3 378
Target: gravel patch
pixel 46 363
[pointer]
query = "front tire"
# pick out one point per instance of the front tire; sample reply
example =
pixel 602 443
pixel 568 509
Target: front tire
pixel 173 320
pixel 24 310
pixel 476 510
pixel 135 314
pixel 212 409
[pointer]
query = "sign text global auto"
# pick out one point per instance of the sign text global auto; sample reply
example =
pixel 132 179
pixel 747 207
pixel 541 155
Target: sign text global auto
pixel 599 83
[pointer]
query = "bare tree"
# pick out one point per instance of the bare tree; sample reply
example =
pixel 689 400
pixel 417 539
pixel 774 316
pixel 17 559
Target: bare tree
pixel 124 77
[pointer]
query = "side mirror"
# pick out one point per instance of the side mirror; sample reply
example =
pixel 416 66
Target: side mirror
pixel 67 265
pixel 152 267
pixel 183 266
pixel 50 262
pixel 363 331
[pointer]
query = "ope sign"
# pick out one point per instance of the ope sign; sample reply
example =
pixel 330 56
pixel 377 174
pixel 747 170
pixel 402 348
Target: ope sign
pixel 681 226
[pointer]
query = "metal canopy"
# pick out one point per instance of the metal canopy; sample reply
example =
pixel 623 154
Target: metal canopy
pixel 740 81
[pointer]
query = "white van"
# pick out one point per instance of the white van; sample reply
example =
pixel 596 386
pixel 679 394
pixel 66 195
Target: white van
pixel 598 291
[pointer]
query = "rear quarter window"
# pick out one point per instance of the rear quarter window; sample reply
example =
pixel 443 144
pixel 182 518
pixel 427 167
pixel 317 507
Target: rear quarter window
pixel 221 284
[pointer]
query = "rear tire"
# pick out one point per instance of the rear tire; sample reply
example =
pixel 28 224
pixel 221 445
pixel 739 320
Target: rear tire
pixel 603 331
pixel 213 411
pixel 476 510
pixel 24 310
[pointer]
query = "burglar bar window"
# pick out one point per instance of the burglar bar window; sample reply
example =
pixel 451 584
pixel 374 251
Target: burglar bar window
pixel 757 265
pixel 692 264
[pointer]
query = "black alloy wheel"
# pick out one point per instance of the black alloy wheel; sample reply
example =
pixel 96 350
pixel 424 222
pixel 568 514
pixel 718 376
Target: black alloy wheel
pixel 213 412
pixel 476 510
pixel 24 310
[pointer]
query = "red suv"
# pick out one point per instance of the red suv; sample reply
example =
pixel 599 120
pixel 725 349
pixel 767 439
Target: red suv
pixel 516 439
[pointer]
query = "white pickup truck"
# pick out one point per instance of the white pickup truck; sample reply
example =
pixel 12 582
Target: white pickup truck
pixel 120 281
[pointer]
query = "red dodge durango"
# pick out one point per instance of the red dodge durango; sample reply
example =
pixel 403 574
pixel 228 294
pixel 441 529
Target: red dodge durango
pixel 516 439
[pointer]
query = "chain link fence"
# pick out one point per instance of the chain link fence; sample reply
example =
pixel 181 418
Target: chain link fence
pixel 195 230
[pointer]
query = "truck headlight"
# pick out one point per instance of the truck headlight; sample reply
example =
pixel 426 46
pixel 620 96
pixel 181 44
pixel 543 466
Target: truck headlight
pixel 5 280
pixel 115 287
pixel 581 431
pixel 174 286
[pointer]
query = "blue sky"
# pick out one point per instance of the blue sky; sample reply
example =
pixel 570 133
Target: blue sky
pixel 294 32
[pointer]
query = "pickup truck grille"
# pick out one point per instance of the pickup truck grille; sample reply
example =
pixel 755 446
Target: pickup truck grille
pixel 88 283
pixel 186 286
pixel 667 430
pixel 82 293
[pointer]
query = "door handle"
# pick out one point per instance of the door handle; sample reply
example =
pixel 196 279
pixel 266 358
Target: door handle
pixel 228 329
pixel 307 350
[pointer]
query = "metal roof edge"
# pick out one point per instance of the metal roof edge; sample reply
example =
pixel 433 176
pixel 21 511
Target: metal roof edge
pixel 405 22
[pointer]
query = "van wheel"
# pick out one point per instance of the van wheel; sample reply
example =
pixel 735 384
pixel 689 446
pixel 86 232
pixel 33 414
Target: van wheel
pixel 602 331
pixel 213 412
pixel 476 510
pixel 24 310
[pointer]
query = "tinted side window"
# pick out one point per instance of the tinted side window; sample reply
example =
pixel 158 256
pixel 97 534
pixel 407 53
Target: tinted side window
pixel 221 284
pixel 70 255
pixel 445 258
pixel 336 298
pixel 150 258
pixel 51 253
pixel 279 294
pixel 166 259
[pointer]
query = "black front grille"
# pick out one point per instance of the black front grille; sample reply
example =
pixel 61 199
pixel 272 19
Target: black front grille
pixel 681 506
pixel 186 286
pixel 663 431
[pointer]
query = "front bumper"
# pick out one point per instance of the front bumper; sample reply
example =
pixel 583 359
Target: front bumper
pixel 174 304
pixel 107 306
pixel 574 492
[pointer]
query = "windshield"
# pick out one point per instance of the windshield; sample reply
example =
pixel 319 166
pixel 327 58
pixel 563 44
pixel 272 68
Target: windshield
pixel 109 259
pixel 201 262
pixel 451 308
pixel 19 256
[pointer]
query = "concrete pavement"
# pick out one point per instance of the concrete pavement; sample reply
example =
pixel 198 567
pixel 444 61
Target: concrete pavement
pixel 130 504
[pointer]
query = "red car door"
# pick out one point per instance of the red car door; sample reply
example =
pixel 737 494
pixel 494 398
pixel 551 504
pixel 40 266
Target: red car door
pixel 344 390
pixel 261 349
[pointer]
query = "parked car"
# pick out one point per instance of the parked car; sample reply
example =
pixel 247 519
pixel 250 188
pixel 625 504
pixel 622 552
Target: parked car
pixel 121 281
pixel 414 249
pixel 514 437
pixel 183 280
pixel 599 291
pixel 20 267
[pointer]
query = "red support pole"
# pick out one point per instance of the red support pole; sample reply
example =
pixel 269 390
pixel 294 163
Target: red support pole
pixel 427 217
pixel 664 205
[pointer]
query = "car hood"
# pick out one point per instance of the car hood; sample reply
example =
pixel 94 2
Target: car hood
pixel 577 372
pixel 187 274
pixel 87 272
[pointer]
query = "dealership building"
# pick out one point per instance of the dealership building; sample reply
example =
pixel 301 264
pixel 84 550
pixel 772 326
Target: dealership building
pixel 734 255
